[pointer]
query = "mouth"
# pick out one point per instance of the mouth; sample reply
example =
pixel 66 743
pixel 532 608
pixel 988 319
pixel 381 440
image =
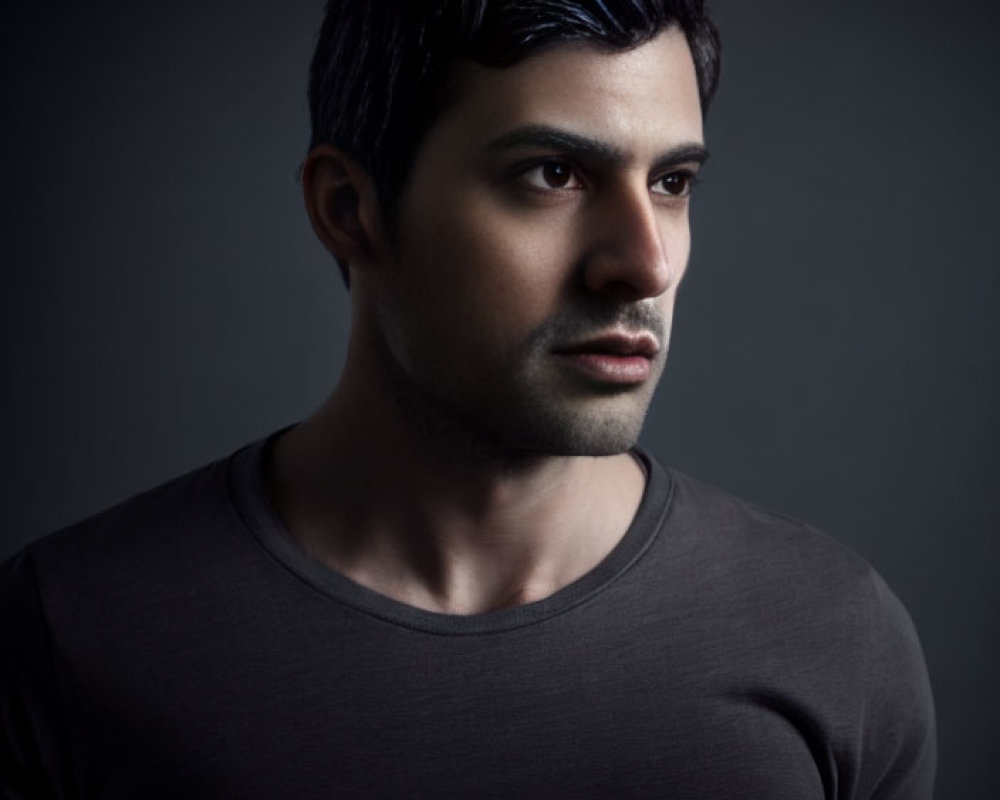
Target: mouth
pixel 615 358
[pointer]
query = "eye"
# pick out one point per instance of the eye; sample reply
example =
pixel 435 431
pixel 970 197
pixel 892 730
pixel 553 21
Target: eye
pixel 674 184
pixel 551 174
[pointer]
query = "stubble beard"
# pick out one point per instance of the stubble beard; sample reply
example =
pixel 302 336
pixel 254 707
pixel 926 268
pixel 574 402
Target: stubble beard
pixel 526 408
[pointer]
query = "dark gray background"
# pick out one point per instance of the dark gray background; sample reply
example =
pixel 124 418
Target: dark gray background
pixel 835 349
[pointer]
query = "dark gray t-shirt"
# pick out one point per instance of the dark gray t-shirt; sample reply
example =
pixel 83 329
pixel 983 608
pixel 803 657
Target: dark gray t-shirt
pixel 181 645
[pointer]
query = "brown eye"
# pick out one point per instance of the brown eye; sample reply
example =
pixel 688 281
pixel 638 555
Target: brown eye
pixel 556 174
pixel 675 184
pixel 551 175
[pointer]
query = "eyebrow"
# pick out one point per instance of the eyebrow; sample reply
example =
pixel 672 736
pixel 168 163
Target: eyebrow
pixel 548 136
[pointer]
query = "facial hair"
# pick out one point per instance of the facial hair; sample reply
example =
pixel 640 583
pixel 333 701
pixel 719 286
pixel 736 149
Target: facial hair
pixel 519 410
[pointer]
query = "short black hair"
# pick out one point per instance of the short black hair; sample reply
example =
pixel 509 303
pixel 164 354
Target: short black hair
pixel 382 71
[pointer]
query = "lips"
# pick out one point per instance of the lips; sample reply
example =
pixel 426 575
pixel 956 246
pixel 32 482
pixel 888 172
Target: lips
pixel 616 358
pixel 623 345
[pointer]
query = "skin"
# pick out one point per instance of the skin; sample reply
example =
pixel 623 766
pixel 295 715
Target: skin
pixel 465 462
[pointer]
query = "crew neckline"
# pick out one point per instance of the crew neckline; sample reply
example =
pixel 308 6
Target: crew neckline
pixel 247 486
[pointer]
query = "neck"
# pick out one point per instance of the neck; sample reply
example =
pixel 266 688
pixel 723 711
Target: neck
pixel 438 525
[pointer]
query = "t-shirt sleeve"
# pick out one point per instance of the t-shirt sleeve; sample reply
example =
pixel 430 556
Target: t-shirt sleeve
pixel 898 737
pixel 30 715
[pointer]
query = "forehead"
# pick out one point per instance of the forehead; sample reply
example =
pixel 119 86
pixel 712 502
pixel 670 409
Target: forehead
pixel 639 100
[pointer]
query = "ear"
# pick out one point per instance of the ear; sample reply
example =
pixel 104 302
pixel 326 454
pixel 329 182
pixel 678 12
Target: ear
pixel 343 206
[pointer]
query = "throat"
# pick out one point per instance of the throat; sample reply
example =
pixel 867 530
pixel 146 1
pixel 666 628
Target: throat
pixel 445 539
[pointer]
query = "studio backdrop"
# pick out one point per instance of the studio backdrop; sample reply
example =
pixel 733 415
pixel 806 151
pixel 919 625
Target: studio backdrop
pixel 835 347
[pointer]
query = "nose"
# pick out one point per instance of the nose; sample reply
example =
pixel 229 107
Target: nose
pixel 628 257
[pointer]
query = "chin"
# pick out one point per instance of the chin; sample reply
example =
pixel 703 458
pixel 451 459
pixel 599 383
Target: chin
pixel 604 443
pixel 581 435
pixel 510 424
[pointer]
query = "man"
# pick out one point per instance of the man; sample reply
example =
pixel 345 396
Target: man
pixel 459 577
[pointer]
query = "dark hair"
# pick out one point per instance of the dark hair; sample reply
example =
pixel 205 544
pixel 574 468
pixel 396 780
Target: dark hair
pixel 382 70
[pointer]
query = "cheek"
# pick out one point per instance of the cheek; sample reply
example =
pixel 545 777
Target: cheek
pixel 497 274
pixel 676 236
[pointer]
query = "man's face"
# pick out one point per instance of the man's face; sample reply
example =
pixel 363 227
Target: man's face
pixel 541 238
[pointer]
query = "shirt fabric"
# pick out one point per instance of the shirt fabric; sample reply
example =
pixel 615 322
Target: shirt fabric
pixel 182 645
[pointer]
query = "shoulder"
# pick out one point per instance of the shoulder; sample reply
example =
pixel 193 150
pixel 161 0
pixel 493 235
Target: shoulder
pixel 746 539
pixel 170 505
pixel 739 535
pixel 70 599
pixel 132 547
pixel 817 628
pixel 780 581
